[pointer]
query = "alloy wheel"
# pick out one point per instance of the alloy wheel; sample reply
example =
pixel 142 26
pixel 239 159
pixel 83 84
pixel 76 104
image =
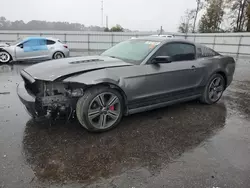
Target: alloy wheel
pixel 216 88
pixel 104 110
pixel 4 57
pixel 58 55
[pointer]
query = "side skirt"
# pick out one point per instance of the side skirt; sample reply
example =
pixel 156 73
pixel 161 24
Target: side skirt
pixel 160 105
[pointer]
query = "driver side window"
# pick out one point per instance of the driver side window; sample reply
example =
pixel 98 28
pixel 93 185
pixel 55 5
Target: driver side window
pixel 177 51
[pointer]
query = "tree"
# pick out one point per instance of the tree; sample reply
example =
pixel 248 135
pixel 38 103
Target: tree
pixel 106 29
pixel 211 20
pixel 199 7
pixel 238 14
pixel 248 17
pixel 2 22
pixel 44 25
pixel 185 25
pixel 117 28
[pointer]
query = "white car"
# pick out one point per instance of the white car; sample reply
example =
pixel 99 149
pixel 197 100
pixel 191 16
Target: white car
pixel 33 48
pixel 166 36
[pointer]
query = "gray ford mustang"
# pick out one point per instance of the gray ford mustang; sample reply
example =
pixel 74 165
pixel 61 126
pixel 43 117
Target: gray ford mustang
pixel 136 75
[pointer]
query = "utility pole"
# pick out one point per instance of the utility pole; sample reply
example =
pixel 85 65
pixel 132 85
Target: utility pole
pixel 102 13
pixel 107 22
pixel 196 13
pixel 160 31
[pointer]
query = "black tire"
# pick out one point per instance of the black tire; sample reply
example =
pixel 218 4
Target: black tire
pixel 83 106
pixel 58 55
pixel 8 56
pixel 206 99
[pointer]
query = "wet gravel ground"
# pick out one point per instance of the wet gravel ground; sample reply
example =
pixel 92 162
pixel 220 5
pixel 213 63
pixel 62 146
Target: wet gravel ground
pixel 184 145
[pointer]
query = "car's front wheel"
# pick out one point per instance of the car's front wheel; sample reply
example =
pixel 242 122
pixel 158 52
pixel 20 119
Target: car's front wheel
pixel 5 57
pixel 100 109
pixel 214 89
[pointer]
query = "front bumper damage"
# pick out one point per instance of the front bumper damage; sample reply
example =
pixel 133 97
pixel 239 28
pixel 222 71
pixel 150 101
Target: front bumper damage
pixel 49 99
pixel 27 99
pixel 46 107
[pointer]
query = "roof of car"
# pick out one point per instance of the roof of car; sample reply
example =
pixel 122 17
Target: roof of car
pixel 162 39
pixel 28 38
pixel 38 38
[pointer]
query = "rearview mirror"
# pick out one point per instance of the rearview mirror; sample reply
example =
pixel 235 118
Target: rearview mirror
pixel 162 59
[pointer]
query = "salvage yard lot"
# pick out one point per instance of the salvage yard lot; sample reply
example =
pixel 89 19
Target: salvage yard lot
pixel 190 144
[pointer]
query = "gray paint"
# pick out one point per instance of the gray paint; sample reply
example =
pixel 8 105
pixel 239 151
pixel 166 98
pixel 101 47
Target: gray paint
pixel 139 82
pixel 52 70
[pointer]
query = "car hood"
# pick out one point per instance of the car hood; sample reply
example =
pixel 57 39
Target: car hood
pixel 4 45
pixel 63 68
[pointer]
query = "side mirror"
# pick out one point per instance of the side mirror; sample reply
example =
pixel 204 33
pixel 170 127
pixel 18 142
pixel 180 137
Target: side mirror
pixel 20 45
pixel 162 59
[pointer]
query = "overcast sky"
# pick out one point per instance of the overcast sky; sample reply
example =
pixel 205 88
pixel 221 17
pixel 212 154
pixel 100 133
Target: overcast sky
pixel 142 15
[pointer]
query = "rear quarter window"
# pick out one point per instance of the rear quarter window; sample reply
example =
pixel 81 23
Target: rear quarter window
pixel 50 42
pixel 203 51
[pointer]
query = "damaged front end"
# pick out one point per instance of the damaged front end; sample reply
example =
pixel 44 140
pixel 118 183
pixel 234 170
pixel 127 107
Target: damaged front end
pixel 51 99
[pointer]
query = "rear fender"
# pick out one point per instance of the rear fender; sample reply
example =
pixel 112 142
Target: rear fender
pixel 223 65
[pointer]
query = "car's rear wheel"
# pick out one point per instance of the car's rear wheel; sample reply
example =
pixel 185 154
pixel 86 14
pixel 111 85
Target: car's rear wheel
pixel 58 55
pixel 100 109
pixel 214 89
pixel 5 57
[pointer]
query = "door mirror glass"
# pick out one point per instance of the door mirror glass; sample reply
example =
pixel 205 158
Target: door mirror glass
pixel 162 59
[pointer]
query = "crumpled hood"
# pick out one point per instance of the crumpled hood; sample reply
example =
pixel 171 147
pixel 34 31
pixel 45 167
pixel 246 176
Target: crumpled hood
pixel 55 69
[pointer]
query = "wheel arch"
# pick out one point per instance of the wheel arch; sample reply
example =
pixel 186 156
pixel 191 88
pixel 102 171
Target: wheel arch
pixel 4 50
pixel 115 87
pixel 53 54
pixel 223 74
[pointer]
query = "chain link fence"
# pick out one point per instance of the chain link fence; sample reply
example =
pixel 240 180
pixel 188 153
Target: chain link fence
pixel 236 44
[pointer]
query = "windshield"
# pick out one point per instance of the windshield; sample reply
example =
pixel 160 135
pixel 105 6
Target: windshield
pixel 16 42
pixel 133 51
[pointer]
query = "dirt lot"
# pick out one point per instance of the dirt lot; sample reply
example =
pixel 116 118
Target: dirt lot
pixel 185 145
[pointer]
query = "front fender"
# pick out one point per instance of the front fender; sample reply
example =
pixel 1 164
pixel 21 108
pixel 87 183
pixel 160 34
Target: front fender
pixel 94 78
pixel 10 50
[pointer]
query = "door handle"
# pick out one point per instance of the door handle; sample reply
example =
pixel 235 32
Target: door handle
pixel 193 67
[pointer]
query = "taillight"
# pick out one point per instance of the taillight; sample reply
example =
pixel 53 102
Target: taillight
pixel 65 46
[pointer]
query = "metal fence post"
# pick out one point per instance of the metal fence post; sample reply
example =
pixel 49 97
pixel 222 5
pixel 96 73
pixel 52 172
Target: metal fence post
pixel 238 50
pixel 17 35
pixel 194 38
pixel 65 38
pixel 214 41
pixel 112 39
pixel 88 43
pixel 186 35
pixel 41 34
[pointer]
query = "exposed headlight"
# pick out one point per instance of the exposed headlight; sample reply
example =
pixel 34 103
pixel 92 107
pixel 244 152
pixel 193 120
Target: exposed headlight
pixel 76 93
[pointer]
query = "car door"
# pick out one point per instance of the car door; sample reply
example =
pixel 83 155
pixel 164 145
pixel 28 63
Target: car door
pixel 177 79
pixel 34 48
pixel 51 48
